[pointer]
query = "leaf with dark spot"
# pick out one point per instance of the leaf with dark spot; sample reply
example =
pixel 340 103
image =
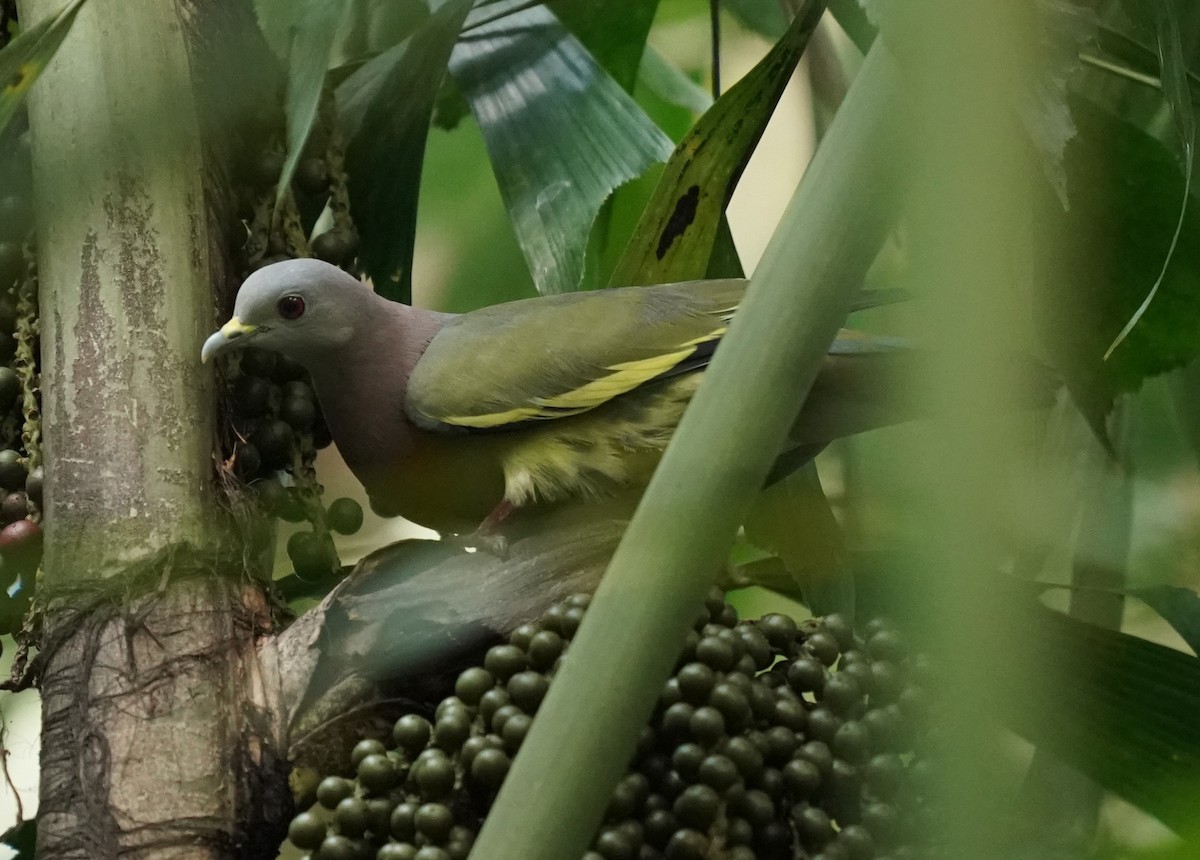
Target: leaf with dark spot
pixel 674 243
pixel 680 220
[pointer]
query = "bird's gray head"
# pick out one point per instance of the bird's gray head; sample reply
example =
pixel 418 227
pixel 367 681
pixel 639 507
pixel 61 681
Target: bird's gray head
pixel 301 308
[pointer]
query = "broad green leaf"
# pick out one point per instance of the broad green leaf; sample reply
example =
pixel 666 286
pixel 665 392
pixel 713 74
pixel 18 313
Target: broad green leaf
pixel 614 33
pixel 558 151
pixel 675 238
pixel 385 108
pixel 26 57
pixel 312 46
pixel 764 17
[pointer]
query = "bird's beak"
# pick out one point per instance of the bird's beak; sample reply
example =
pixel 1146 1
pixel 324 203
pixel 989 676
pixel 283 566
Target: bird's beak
pixel 222 338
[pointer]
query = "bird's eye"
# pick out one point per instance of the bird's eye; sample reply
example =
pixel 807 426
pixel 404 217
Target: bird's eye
pixel 291 307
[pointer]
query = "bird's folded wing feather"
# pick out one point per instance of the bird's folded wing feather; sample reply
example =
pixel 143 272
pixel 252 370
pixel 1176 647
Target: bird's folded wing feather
pixel 558 356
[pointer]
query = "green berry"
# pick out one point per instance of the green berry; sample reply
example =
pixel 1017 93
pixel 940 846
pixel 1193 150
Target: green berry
pixel 345 516
pixel 433 821
pixel 489 767
pixel 312 176
pixel 33 485
pixel 332 790
pixel 527 689
pixel 411 733
pixel 306 831
pixel 12 470
pixel 697 807
pixel 434 775
pixel 251 396
pixel 338 246
pixel 336 847
pixel 351 816
pixel 377 773
pixel 275 441
pixel 472 684
pixel 402 823
pixel 299 413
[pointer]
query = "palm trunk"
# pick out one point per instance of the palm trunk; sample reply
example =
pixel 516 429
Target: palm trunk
pixel 158 735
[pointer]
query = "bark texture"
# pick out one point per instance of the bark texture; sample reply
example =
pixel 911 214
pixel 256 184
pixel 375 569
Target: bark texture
pixel 160 733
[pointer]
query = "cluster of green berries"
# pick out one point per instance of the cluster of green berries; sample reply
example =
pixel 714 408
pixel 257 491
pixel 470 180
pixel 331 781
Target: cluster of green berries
pixel 20 480
pixel 771 740
pixel 276 420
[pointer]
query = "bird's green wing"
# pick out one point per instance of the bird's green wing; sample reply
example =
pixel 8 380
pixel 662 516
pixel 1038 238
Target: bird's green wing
pixel 558 356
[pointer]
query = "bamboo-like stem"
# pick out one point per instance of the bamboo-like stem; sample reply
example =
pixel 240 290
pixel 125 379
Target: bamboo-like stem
pixel 970 220
pixel 586 730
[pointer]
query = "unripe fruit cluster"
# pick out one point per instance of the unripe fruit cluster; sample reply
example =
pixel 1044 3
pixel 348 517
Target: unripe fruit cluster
pixel 771 740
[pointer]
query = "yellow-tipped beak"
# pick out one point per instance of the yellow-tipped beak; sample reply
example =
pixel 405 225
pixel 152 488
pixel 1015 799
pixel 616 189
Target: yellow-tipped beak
pixel 222 338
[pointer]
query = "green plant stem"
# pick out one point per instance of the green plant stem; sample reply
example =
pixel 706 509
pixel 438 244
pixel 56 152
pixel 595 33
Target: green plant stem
pixel 586 731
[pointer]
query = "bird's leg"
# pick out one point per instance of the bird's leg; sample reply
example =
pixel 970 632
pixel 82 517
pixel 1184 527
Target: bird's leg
pixel 498 515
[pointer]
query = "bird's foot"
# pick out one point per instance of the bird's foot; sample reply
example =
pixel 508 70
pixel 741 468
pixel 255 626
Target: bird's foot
pixel 482 540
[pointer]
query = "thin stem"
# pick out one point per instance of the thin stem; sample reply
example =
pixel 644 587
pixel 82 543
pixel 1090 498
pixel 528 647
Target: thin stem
pixel 586 730
pixel 714 11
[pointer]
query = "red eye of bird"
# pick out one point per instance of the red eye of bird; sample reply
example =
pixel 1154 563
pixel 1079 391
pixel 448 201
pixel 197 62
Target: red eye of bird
pixel 291 307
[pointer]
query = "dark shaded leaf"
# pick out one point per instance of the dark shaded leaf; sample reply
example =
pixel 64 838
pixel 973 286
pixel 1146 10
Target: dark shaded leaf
pixel 674 239
pixel 385 108
pixel 558 150
pixel 311 50
pixel 416 605
pixel 372 26
pixel 1124 189
pixel 22 838
pixel 851 18
pixel 1121 710
pixel 1178 94
pixel 793 519
pixel 368 27
pixel 724 261
pixel 1179 607
pixel 26 57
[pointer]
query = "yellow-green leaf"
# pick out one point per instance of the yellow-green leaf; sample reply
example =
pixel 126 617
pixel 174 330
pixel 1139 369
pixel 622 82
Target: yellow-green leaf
pixel 26 57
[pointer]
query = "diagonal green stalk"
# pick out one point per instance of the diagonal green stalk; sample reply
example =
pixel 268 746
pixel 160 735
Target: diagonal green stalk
pixel 586 731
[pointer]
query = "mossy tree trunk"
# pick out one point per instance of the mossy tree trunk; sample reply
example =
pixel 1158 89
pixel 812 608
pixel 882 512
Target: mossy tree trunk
pixel 159 736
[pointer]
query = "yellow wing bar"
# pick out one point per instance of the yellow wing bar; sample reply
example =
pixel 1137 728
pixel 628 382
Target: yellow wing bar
pixel 622 378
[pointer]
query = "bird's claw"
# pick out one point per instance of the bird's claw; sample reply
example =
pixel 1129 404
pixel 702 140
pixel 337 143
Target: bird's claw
pixel 483 540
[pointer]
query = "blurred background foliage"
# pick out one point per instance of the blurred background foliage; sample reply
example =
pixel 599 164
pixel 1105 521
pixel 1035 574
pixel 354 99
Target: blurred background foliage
pixel 503 149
